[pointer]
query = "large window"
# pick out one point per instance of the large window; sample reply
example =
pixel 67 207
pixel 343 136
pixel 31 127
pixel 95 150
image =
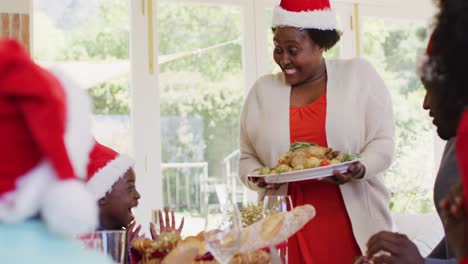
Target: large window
pixel 92 45
pixel 393 46
pixel 201 87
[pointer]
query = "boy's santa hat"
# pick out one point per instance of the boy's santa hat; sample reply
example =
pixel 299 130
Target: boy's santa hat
pixel 105 168
pixel 311 14
pixel 45 141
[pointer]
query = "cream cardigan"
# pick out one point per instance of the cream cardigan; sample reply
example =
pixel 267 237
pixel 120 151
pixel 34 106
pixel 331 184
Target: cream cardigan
pixel 359 119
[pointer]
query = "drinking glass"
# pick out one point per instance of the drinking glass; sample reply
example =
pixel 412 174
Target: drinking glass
pixel 110 243
pixel 223 229
pixel 278 204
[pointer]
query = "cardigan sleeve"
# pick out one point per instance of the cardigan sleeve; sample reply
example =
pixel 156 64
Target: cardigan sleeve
pixel 378 152
pixel 248 158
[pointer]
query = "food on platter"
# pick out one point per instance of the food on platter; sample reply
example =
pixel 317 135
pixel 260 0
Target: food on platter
pixel 304 155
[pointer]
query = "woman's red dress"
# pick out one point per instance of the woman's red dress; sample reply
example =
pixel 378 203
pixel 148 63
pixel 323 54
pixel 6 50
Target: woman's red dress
pixel 328 238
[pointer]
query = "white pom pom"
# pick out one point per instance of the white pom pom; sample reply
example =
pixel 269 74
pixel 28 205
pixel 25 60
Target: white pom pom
pixel 69 209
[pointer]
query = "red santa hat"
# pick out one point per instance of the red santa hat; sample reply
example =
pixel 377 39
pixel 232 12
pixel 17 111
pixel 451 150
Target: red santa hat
pixel 314 14
pixel 105 168
pixel 426 64
pixel 45 141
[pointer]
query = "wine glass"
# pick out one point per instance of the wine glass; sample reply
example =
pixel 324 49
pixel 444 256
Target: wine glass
pixel 274 204
pixel 223 229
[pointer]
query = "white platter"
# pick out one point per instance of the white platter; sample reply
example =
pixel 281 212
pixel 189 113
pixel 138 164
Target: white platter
pixel 307 174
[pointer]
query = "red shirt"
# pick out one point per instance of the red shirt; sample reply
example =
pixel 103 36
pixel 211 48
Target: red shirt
pixel 328 238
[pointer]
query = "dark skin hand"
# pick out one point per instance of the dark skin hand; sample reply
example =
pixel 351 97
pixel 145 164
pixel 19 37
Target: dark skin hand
pixel 260 182
pixel 455 221
pixel 355 171
pixel 166 224
pixel 132 234
pixel 397 247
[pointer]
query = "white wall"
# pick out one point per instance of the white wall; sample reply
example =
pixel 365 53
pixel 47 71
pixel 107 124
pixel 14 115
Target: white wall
pixel 15 6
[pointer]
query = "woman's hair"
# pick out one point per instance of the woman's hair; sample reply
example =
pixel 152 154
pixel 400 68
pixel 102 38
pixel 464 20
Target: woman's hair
pixel 449 55
pixel 323 38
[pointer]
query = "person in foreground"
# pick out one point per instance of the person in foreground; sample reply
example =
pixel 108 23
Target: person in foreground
pixel 342 104
pixel 455 204
pixel 444 76
pixel 45 138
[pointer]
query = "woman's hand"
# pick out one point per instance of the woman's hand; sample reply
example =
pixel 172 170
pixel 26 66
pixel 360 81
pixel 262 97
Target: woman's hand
pixel 355 171
pixel 166 225
pixel 260 182
pixel 455 221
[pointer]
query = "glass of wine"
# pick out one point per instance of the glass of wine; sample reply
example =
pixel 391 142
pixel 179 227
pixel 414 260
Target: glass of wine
pixel 278 204
pixel 223 229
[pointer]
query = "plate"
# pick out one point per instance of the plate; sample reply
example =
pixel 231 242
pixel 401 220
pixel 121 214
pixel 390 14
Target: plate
pixel 307 174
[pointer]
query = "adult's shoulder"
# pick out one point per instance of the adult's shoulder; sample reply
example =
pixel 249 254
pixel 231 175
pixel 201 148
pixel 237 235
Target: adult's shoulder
pixel 268 83
pixel 269 80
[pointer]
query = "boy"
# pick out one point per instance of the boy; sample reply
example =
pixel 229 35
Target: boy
pixel 112 181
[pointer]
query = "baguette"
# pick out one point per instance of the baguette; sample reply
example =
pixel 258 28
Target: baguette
pixel 276 228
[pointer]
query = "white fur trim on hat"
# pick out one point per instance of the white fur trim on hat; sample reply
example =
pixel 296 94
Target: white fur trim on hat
pixel 426 69
pixel 69 209
pixel 78 137
pixel 103 180
pixel 25 200
pixel 317 19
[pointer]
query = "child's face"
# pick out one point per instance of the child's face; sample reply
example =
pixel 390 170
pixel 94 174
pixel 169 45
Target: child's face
pixel 115 207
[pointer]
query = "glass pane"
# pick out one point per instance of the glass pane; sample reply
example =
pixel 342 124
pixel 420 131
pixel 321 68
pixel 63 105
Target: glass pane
pixel 92 45
pixel 393 46
pixel 201 86
pixel 333 53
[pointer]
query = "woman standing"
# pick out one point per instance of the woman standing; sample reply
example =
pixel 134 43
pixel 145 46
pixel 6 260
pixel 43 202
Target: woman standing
pixel 342 104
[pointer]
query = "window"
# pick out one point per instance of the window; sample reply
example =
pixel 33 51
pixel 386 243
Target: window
pixel 393 46
pixel 201 85
pixel 92 46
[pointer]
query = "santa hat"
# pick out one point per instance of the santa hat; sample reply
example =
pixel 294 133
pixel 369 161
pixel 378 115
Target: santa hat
pixel 45 141
pixel 105 168
pixel 313 14
pixel 426 68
